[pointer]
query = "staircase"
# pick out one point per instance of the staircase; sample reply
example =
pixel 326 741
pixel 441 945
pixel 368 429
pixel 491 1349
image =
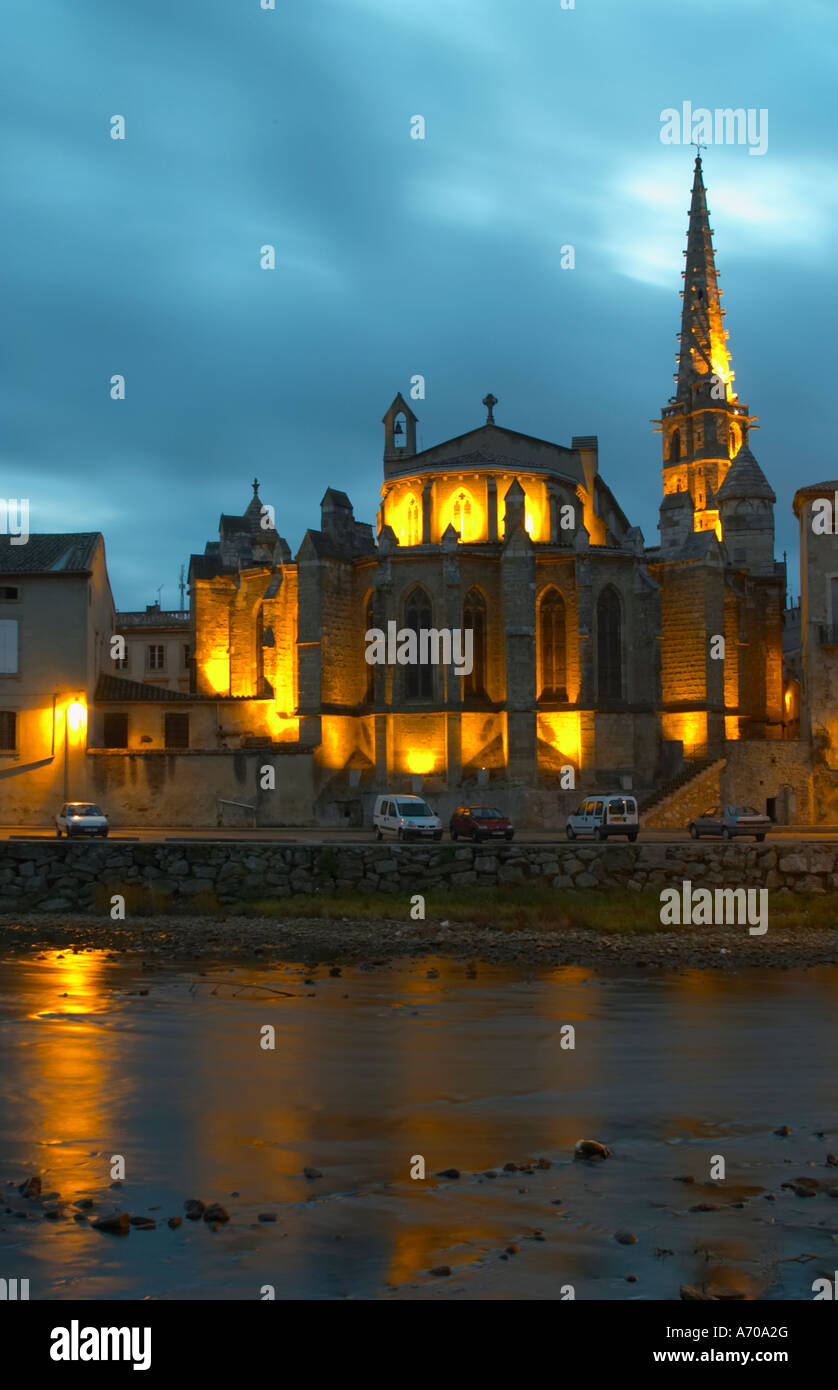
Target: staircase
pixel 685 776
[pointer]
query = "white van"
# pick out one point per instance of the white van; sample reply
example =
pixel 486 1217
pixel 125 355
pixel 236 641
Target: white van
pixel 602 816
pixel 405 816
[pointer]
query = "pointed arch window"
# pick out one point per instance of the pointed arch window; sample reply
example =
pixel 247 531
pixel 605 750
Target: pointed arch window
pixel 369 622
pixel 609 621
pixel 419 679
pixel 414 529
pixel 399 435
pixel 552 643
pixel 675 447
pixel 474 618
pixel 260 651
pixel 461 514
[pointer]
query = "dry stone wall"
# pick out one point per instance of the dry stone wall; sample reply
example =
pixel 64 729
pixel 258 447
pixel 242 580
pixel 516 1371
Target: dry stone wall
pixel 46 877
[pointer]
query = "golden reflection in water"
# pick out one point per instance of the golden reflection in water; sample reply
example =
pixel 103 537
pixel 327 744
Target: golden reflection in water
pixel 70 1068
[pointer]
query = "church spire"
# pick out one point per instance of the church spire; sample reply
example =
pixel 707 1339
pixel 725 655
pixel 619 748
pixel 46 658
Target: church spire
pixel 703 352
pixel 704 425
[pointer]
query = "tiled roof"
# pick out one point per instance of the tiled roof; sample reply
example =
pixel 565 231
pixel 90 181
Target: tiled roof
pixel 49 554
pixel 109 688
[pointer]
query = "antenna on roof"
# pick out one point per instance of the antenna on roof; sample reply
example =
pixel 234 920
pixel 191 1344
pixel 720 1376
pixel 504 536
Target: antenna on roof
pixel 181 586
pixel 159 592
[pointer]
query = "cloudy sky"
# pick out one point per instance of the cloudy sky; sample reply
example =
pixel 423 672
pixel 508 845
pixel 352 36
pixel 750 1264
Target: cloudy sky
pixel 395 256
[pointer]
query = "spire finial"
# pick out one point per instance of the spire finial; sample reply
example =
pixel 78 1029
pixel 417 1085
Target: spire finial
pixel 255 486
pixel 490 402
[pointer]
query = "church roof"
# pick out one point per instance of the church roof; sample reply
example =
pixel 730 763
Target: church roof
pixel 745 478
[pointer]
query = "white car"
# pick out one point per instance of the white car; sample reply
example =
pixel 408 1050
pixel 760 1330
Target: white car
pixel 405 816
pixel 81 818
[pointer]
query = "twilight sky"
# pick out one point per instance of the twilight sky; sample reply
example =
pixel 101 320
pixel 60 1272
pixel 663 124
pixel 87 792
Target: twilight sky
pixel 395 256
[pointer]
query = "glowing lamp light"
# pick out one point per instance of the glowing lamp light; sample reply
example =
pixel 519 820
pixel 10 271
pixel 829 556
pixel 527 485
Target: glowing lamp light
pixel 788 701
pixel 76 716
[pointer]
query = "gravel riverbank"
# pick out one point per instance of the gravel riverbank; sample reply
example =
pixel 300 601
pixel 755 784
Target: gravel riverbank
pixel 170 939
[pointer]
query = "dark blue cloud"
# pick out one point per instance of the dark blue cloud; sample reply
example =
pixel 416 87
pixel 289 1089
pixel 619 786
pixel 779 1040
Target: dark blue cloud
pixel 394 256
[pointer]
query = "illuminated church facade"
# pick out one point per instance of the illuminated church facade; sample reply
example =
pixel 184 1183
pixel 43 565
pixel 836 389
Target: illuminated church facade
pixel 592 651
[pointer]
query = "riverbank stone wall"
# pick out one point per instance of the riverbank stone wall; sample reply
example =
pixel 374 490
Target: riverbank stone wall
pixel 191 877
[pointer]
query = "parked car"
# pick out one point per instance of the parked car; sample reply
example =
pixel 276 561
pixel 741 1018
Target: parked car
pixel 405 816
pixel 603 816
pixel 728 821
pixel 480 823
pixel 81 818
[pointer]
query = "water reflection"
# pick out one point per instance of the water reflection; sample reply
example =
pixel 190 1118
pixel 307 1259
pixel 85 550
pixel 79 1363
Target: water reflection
pixel 370 1070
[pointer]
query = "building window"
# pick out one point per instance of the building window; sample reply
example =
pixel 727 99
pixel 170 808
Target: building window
pixel 474 617
pixel 122 662
pixel 8 731
pixel 8 647
pixel 115 731
pixel 609 646
pixel 552 633
pixel 186 654
pixel 413 522
pixel 369 619
pixel 461 515
pixel 675 447
pixel 177 730
pixel 156 657
pixel 419 680
pixel 9 593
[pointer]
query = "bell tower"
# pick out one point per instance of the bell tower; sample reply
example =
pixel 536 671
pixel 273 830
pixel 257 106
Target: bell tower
pixel 704 425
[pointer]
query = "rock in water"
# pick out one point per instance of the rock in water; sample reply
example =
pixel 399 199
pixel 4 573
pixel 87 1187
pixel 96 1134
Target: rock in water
pixel 194 1209
pixel 441 1270
pixel 215 1212
pixel 118 1224
pixel 625 1237
pixel 175 1221
pixel 31 1187
pixel 590 1148
pixel 449 1173
pixel 312 1173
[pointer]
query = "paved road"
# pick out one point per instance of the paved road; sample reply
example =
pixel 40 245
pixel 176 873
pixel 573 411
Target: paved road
pixel 319 836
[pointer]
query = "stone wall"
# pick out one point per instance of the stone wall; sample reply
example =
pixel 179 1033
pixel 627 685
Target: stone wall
pixel 678 809
pixel 57 877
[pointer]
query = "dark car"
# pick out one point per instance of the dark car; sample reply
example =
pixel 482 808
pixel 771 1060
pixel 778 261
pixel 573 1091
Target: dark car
pixel 480 823
pixel 728 821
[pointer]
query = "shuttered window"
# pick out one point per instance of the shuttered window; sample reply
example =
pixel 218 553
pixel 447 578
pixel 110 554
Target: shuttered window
pixel 177 730
pixel 8 646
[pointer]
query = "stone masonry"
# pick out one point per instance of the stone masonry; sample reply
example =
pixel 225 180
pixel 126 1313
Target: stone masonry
pixel 204 877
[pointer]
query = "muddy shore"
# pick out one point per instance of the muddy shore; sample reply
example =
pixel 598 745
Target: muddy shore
pixel 177 939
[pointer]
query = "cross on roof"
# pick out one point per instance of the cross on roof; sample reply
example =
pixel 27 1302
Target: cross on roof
pixel 255 486
pixel 490 401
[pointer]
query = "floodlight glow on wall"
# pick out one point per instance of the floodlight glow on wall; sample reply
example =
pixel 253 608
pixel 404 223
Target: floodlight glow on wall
pixel 76 716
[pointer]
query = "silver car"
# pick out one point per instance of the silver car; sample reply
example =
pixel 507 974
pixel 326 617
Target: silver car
pixel 81 818
pixel 728 821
